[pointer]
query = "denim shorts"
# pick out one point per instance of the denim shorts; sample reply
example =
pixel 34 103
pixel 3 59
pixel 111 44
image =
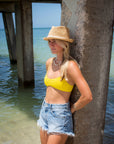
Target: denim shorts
pixel 56 119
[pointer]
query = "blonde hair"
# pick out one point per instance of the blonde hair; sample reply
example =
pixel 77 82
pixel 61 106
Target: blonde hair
pixel 66 58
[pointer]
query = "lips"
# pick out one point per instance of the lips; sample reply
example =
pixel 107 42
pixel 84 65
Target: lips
pixel 53 49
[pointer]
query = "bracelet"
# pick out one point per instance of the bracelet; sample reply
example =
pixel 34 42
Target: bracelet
pixel 74 106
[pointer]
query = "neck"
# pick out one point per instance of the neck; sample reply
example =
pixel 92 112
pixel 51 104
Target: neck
pixel 58 60
pixel 59 57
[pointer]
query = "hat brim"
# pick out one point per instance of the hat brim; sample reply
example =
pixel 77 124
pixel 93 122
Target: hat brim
pixel 59 38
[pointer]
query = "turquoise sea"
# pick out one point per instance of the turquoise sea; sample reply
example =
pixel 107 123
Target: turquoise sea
pixel 19 108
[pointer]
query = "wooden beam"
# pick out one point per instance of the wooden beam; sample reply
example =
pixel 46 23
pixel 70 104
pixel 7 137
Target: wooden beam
pixel 41 1
pixel 46 1
pixel 9 1
pixel 7 7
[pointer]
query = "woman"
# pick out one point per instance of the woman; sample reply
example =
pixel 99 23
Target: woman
pixel 62 73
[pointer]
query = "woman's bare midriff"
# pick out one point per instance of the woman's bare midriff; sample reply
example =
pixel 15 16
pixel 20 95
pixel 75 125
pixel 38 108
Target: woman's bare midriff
pixel 54 96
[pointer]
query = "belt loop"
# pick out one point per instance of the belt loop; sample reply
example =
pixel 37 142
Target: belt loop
pixel 51 106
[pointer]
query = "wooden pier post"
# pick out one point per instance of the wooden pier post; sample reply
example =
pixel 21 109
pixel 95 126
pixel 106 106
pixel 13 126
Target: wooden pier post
pixel 10 36
pixel 90 23
pixel 24 43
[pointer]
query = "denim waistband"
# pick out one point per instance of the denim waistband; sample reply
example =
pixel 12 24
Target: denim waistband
pixel 65 105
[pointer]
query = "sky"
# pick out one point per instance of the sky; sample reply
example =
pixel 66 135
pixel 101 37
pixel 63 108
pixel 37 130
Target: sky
pixel 43 15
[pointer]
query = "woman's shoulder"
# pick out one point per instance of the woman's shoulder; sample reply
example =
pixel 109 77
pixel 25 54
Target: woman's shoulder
pixel 73 67
pixel 49 61
pixel 73 64
pixel 73 70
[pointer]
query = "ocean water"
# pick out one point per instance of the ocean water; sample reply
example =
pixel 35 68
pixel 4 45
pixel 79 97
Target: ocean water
pixel 19 108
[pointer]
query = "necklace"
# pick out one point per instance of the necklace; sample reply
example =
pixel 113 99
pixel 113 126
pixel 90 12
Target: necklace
pixel 56 62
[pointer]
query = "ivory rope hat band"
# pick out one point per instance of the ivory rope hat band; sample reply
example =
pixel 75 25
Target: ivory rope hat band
pixel 59 32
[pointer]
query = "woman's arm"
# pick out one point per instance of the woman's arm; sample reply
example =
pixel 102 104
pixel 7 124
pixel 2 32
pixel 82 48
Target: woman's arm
pixel 77 77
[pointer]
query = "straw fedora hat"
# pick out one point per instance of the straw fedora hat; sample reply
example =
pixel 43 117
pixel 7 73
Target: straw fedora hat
pixel 60 33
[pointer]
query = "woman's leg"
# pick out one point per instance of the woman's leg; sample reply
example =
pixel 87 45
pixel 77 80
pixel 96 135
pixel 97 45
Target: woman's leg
pixel 57 139
pixel 43 136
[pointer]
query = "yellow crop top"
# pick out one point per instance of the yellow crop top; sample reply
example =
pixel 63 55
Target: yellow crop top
pixel 58 84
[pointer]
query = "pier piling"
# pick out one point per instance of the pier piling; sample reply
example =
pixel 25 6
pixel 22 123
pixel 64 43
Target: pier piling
pixel 10 36
pixel 24 43
pixel 90 23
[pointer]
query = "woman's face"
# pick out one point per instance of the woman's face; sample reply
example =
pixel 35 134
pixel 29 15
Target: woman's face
pixel 55 48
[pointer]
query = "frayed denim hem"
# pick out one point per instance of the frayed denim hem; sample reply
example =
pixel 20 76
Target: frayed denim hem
pixel 65 133
pixel 55 132
pixel 43 128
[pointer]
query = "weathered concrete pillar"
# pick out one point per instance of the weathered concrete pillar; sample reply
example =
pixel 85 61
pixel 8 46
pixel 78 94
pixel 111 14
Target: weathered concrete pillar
pixel 90 24
pixel 10 36
pixel 24 43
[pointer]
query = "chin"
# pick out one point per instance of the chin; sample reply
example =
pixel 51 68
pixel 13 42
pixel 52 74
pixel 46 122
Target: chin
pixel 53 52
